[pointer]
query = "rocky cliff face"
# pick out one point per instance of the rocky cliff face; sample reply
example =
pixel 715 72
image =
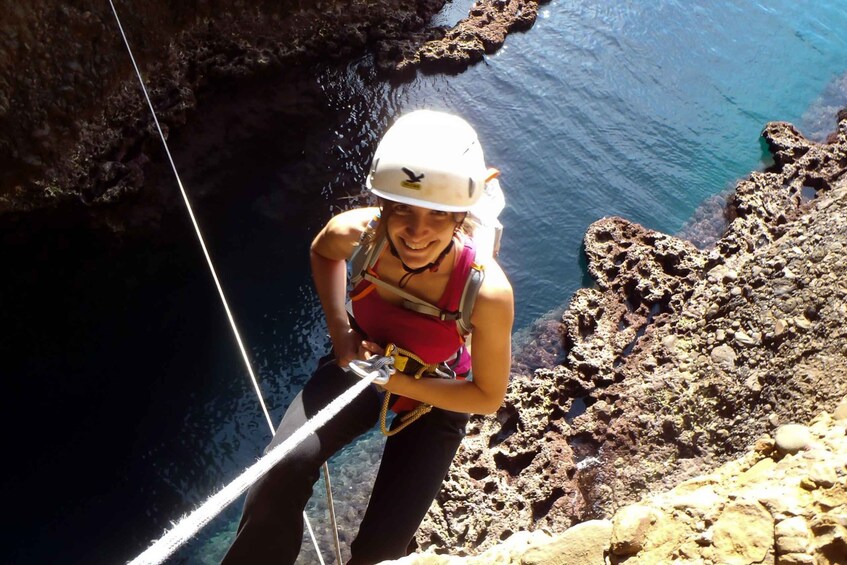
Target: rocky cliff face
pixel 783 502
pixel 75 131
pixel 673 364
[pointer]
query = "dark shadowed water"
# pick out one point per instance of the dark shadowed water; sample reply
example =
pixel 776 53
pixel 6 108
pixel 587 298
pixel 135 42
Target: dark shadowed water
pixel 126 403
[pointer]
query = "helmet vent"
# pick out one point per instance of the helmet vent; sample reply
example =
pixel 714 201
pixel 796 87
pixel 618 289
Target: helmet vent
pixel 471 186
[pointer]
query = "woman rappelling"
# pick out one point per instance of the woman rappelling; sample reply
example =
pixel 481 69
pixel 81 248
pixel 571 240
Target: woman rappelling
pixel 420 290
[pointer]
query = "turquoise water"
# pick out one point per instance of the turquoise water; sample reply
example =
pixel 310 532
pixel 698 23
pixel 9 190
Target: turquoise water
pixel 647 110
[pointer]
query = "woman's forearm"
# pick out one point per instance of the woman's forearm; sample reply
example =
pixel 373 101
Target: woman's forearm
pixel 330 277
pixel 454 395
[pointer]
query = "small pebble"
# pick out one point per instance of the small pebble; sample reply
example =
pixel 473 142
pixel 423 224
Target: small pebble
pixel 724 357
pixel 802 322
pixel 744 339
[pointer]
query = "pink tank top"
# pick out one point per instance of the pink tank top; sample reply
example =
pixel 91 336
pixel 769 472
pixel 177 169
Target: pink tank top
pixel 428 337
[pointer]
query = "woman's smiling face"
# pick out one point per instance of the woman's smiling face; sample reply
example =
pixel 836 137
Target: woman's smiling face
pixel 419 234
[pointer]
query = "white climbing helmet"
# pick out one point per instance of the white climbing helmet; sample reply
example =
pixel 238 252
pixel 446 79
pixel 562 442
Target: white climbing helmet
pixel 429 159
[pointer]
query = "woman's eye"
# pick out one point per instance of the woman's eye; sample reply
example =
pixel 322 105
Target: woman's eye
pixel 439 214
pixel 401 209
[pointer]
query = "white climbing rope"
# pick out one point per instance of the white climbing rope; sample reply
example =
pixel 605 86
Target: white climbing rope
pixel 231 319
pixel 312 535
pixel 191 524
pixel 196 226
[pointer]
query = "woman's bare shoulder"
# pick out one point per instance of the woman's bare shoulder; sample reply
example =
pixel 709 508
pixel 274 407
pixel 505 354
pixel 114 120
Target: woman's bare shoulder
pixel 348 226
pixel 496 299
pixel 352 223
pixel 496 281
pixel 342 233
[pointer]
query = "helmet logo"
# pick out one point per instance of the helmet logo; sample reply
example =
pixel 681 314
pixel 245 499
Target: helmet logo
pixel 414 180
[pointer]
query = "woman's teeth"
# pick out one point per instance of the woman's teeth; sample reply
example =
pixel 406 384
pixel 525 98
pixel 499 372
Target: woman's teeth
pixel 416 247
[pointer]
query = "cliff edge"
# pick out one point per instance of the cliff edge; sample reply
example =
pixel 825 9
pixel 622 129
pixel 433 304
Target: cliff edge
pixel 674 364
pixel 783 502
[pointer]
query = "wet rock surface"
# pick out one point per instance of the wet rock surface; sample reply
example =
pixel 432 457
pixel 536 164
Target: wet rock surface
pixel 673 365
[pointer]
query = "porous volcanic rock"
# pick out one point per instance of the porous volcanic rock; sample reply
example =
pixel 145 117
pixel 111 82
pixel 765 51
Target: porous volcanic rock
pixel 483 32
pixel 673 364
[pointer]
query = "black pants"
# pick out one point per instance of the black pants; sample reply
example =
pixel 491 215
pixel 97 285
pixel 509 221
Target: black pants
pixel 414 464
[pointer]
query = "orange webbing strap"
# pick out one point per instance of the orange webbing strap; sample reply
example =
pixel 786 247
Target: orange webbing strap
pixel 401 361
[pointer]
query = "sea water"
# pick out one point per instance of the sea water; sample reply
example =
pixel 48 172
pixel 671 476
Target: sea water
pixel 140 405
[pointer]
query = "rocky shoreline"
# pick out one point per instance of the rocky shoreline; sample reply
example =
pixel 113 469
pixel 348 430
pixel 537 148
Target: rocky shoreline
pixel 673 364
pixel 75 132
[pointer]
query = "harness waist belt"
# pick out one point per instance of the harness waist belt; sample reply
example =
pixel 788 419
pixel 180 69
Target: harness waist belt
pixel 410 364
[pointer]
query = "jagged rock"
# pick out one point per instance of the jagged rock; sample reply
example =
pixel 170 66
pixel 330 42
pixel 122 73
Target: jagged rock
pixel 724 357
pixel 743 533
pixel 841 410
pixel 679 357
pixel 483 32
pixel 749 510
pixel 75 131
pixel 584 544
pixel 630 528
pixel 792 536
pixel 640 274
pixel 645 268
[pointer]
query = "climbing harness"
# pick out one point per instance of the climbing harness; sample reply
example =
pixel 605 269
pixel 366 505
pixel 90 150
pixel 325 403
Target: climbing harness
pixel 365 257
pixel 379 369
pixel 172 547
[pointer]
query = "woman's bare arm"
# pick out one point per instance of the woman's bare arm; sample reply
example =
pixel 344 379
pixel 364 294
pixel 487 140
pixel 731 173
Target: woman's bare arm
pixel 491 356
pixel 330 250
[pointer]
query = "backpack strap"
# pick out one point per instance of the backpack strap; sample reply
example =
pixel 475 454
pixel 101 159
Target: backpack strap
pixel 412 302
pixel 476 275
pixel 365 257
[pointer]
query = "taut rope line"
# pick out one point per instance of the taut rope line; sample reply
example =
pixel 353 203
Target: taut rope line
pixel 196 226
pixel 223 299
pixel 191 524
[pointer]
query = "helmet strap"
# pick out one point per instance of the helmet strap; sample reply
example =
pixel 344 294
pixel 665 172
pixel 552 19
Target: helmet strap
pixel 410 272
